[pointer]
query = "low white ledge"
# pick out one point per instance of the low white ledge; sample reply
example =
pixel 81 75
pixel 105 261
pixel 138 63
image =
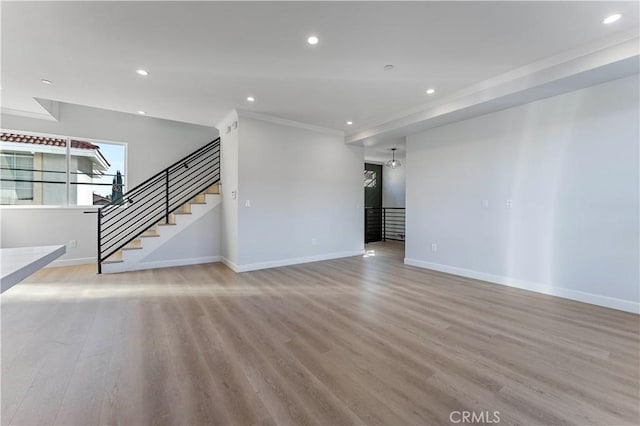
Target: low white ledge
pixel 16 264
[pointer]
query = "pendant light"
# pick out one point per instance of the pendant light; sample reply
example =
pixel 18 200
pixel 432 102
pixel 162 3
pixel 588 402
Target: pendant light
pixel 393 163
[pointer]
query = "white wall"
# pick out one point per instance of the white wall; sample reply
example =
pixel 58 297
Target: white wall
pixel 570 166
pixel 306 194
pixel 199 242
pixel 229 179
pixel 21 227
pixel 152 145
pixel 393 186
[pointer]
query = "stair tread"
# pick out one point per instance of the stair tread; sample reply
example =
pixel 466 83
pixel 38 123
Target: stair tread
pixel 131 248
pixel 104 262
pixel 213 189
pixel 182 213
pixel 198 202
pixel 150 236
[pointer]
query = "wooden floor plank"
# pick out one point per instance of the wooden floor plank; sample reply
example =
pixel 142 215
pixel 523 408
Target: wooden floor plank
pixel 360 340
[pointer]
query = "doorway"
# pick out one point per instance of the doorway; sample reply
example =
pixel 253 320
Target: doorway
pixel 384 212
pixel 372 203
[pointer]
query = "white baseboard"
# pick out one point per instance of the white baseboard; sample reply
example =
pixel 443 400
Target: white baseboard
pixel 292 261
pixel 174 262
pixel 210 259
pixel 72 262
pixel 229 264
pixel 580 296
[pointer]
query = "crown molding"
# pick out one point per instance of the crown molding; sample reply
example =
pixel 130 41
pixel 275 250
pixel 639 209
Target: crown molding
pixel 287 122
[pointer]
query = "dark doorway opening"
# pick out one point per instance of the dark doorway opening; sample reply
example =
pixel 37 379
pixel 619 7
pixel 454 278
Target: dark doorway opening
pixel 372 202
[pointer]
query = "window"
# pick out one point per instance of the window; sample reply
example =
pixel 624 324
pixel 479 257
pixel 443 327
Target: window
pixel 369 179
pixel 53 170
pixel 100 187
pixel 17 175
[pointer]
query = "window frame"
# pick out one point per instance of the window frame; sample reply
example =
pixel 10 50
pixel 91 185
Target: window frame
pixel 68 182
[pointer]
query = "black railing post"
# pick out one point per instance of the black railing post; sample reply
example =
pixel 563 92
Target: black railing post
pixel 166 195
pixel 99 242
pixel 384 224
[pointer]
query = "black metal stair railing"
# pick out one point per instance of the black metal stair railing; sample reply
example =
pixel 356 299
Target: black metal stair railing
pixel 384 223
pixel 121 222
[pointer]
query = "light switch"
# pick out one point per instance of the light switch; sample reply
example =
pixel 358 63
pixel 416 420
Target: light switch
pixel 485 204
pixel 247 203
pixel 234 195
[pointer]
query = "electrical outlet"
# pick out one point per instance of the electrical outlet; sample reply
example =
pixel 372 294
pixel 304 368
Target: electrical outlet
pixel 73 244
pixel 247 203
pixel 434 247
pixel 509 204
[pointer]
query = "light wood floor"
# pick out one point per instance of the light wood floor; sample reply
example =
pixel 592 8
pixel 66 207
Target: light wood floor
pixel 350 341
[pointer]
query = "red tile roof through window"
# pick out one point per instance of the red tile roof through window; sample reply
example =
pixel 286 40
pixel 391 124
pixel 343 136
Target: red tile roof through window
pixel 43 140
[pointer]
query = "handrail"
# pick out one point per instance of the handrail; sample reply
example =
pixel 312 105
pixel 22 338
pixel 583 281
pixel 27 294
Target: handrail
pixel 122 221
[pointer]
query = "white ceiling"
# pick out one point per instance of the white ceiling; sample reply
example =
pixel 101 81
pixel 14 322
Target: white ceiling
pixel 205 58
pixel 381 152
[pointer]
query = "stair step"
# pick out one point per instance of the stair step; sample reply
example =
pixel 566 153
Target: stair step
pixel 213 189
pixel 172 220
pixel 133 245
pixel 151 232
pixel 114 258
pixel 199 199
pixel 186 208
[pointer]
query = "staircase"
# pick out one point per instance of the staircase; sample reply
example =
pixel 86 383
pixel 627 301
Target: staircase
pixel 150 215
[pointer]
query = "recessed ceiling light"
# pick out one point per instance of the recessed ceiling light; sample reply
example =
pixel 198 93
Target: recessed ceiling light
pixel 142 72
pixel 313 40
pixel 45 81
pixel 612 18
pixel 142 113
pixel 431 91
pixel 388 67
pixel 349 123
pixel 251 99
